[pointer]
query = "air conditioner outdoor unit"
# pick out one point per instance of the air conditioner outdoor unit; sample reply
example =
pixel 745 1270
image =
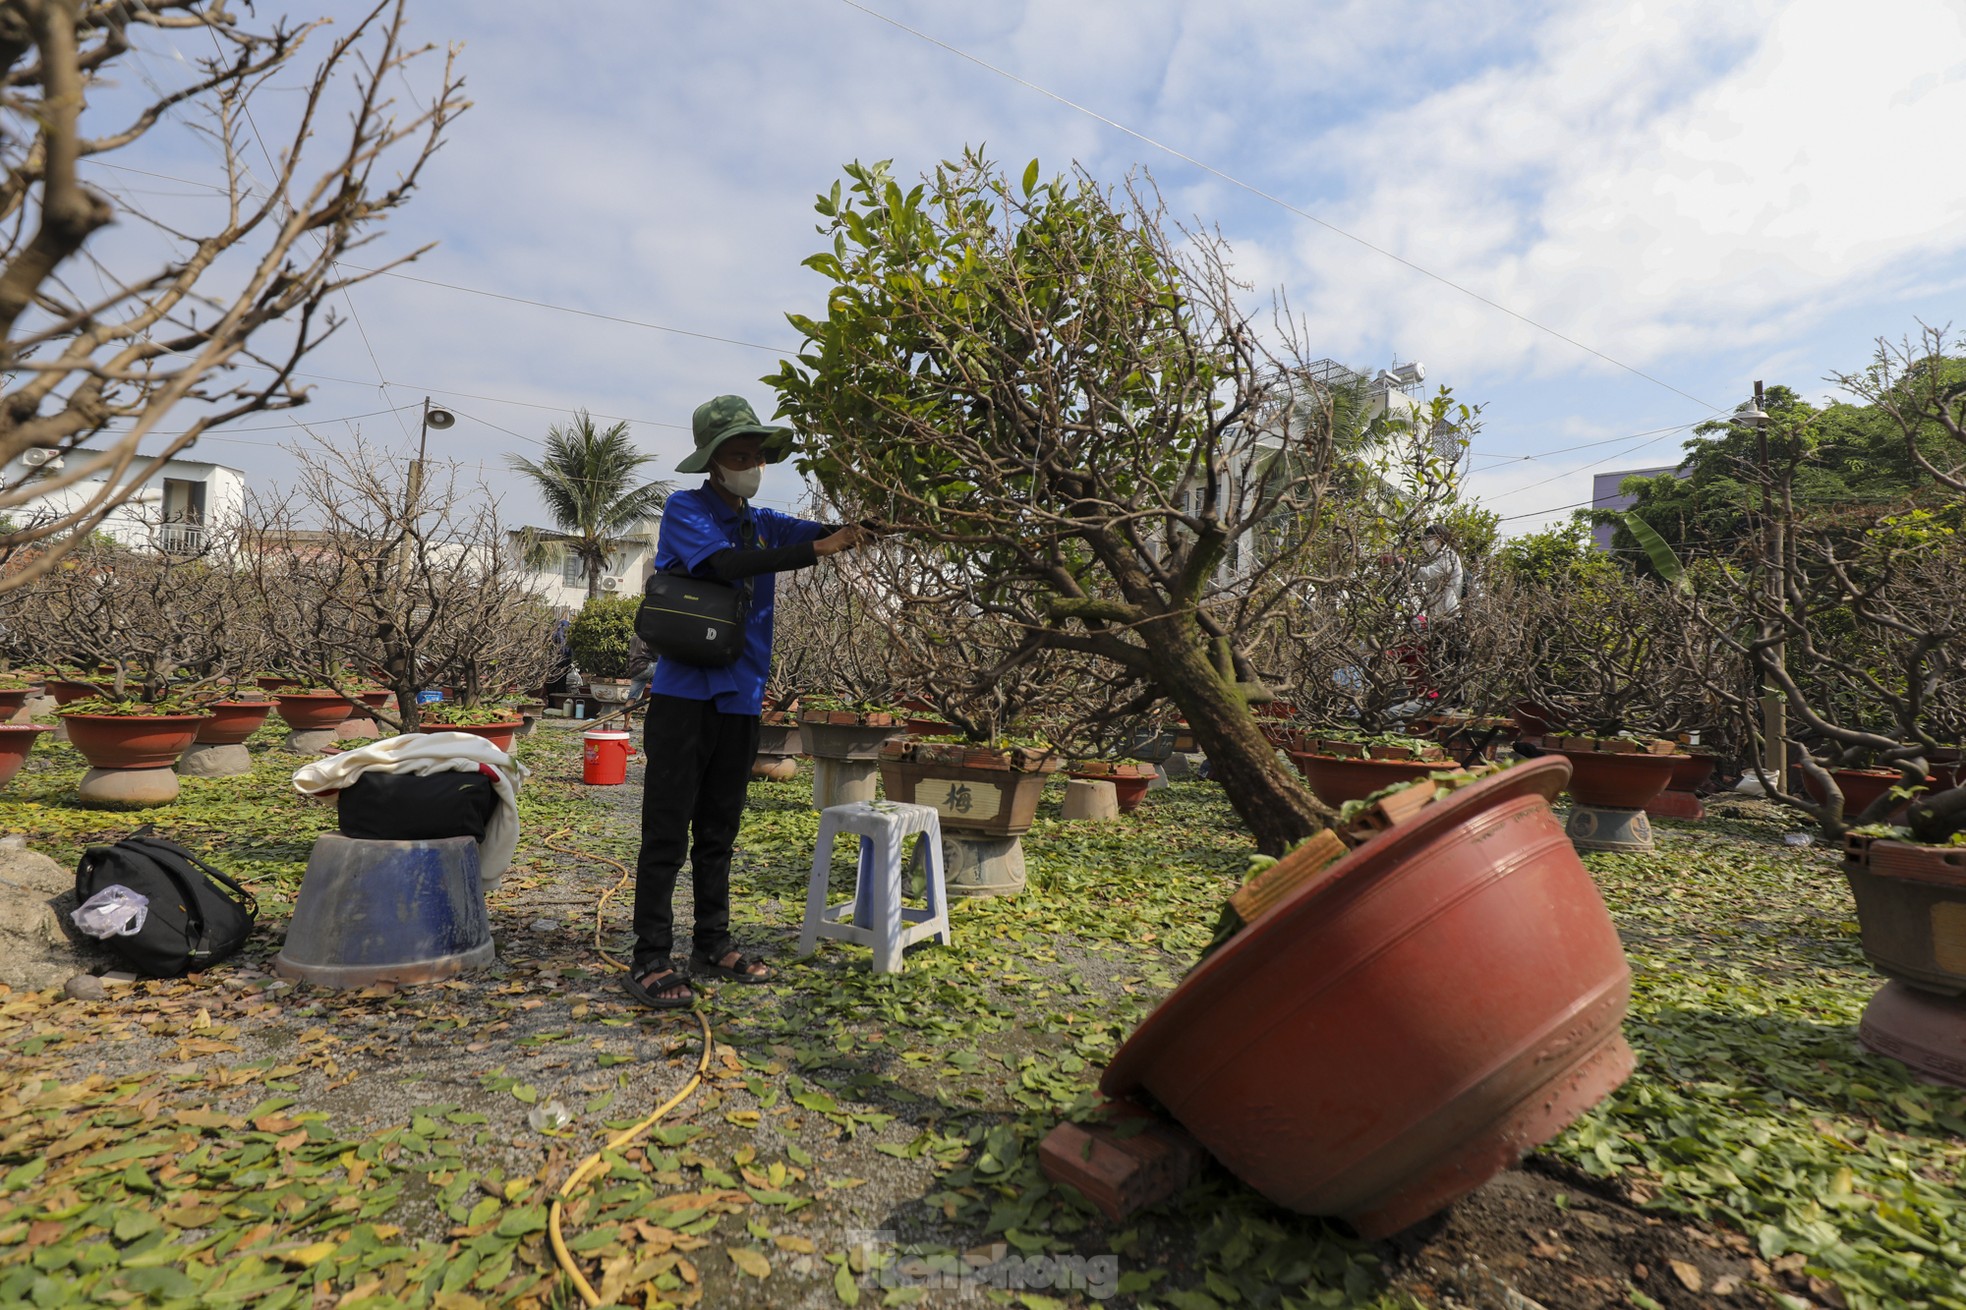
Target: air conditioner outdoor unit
pixel 610 584
pixel 41 457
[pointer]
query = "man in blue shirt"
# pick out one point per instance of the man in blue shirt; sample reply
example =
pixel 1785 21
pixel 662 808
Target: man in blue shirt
pixel 702 726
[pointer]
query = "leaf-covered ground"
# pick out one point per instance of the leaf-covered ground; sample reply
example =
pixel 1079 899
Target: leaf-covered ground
pixel 237 1140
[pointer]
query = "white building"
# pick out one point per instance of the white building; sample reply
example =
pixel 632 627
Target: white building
pixel 563 585
pixel 171 511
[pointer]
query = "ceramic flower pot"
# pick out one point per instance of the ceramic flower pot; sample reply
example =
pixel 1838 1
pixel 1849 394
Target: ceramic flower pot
pixel 1336 779
pixel 1406 1022
pixel 232 721
pixel 132 741
pixel 311 711
pixel 12 699
pixel 16 740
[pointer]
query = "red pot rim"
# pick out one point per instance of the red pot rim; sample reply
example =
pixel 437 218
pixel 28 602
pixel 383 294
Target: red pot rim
pixel 198 717
pixel 1190 1002
pixel 26 727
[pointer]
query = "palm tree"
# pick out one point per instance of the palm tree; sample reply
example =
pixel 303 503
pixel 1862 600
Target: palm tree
pixel 589 481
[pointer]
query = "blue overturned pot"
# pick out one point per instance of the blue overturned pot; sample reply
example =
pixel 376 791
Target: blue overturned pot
pixel 387 911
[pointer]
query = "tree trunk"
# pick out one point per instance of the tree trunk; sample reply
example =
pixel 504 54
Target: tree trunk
pixel 593 578
pixel 1272 802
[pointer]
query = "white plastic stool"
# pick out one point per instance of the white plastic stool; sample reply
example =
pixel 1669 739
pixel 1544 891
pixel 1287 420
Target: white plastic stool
pixel 875 916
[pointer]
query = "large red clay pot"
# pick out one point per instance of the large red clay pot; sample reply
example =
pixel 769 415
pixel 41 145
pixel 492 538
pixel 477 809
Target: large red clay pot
pixel 1337 780
pixel 232 721
pixel 310 711
pixel 132 741
pixel 1408 1022
pixel 16 740
pixel 1616 780
pixel 12 699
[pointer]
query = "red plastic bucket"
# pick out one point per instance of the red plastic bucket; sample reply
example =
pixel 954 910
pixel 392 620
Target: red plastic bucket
pixel 604 757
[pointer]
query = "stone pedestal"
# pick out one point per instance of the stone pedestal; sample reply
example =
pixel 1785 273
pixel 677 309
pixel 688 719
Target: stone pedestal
pixel 1159 781
pixel 31 707
pixel 312 741
pixel 361 726
pixel 982 866
pixel 778 768
pixel 201 761
pixel 128 787
pixel 843 782
pixel 1088 798
pixel 1183 766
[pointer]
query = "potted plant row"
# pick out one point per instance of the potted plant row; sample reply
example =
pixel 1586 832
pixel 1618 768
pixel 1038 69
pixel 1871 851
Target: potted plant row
pixel 833 729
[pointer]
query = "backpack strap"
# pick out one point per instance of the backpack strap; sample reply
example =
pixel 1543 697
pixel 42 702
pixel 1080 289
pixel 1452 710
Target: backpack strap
pixel 159 845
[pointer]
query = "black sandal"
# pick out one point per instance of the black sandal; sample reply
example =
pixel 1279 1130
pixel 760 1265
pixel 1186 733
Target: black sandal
pixel 738 972
pixel 666 978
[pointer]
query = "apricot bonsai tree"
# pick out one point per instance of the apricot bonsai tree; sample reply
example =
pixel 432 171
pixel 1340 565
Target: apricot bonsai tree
pixel 1060 400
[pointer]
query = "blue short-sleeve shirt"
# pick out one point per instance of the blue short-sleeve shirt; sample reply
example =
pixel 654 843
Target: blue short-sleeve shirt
pixel 696 524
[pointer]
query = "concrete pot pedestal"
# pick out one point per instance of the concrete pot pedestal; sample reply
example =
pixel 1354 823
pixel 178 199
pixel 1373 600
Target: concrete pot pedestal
pixel 202 760
pixel 310 741
pixel 974 865
pixel 843 782
pixel 128 787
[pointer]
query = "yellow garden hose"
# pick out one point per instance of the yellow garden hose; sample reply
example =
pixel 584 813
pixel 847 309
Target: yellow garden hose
pixel 560 1253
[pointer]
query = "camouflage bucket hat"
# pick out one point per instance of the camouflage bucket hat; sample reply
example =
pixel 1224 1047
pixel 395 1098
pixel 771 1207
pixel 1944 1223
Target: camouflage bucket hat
pixel 717 421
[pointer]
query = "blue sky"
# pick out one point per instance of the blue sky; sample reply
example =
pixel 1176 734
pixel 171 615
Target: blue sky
pixel 1694 195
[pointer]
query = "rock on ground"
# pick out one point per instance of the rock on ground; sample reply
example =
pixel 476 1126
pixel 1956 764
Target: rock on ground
pixel 38 947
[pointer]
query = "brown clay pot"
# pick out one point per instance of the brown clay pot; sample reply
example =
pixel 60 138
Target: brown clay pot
pixel 11 700
pixel 1690 772
pixel 996 802
pixel 132 741
pixel 310 711
pixel 1129 789
pixel 1337 780
pixel 66 692
pixel 1618 781
pixel 1911 908
pixel 232 721
pixel 1408 1021
pixel 500 735
pixel 826 740
pixel 16 740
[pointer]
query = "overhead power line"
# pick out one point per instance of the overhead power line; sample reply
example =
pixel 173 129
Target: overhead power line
pixel 1276 200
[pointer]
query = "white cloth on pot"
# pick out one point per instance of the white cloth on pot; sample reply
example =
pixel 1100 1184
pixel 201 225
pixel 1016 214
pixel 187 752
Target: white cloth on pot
pixel 434 752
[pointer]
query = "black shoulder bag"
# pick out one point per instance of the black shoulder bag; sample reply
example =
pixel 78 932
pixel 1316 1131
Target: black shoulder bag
pixel 697 620
pixel 197 917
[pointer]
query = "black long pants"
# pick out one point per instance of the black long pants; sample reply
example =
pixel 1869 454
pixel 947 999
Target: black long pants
pixel 699 768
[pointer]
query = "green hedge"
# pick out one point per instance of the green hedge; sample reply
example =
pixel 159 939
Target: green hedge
pixel 599 636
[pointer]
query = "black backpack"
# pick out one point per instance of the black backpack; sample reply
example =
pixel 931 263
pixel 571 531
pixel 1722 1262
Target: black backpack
pixel 198 916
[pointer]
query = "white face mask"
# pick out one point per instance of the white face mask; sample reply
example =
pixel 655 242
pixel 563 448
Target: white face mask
pixel 741 483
